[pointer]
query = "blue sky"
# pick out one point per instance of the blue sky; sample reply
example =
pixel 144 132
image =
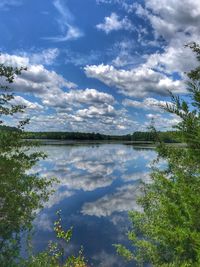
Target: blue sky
pixel 98 65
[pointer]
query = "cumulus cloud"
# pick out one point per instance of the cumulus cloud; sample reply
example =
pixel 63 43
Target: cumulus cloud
pixel 49 87
pixel 87 120
pixel 173 59
pixel 169 17
pixel 76 97
pixel 31 106
pixel 177 25
pixel 173 26
pixel 147 104
pixel 37 79
pixel 14 60
pixel 76 109
pixel 137 82
pixel 113 23
pixel 73 110
pixel 132 74
pixel 93 112
pixel 162 122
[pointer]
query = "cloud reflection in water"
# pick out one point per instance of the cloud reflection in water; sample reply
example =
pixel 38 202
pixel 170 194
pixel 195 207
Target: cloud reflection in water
pixel 98 185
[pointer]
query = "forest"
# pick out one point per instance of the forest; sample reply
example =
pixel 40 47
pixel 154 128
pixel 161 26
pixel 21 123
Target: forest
pixel 138 136
pixel 148 136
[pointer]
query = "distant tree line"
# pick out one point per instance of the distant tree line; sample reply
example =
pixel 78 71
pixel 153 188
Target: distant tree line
pixel 168 137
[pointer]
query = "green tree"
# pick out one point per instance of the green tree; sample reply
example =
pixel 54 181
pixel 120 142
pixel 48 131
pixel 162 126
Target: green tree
pixel 54 255
pixel 21 194
pixel 167 231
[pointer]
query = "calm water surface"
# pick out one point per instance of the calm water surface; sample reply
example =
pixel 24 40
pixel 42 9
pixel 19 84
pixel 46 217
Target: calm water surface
pixel 98 185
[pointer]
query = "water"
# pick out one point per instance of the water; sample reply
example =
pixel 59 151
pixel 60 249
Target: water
pixel 98 186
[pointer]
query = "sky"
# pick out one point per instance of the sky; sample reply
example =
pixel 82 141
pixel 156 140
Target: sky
pixel 98 65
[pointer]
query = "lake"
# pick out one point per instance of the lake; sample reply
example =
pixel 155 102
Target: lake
pixel 98 185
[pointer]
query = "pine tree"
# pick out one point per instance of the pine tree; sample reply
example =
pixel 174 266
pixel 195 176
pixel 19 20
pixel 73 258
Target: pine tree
pixel 167 231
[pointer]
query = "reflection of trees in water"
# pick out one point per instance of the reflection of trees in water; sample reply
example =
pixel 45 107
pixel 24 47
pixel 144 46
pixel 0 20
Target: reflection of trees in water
pixel 21 194
pixel 167 231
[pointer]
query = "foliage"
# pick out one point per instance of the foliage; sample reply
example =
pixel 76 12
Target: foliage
pixel 167 232
pixel 169 136
pixel 21 193
pixel 54 255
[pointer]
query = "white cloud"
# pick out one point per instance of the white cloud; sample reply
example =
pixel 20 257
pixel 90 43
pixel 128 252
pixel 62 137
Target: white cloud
pixel 14 60
pixel 178 23
pixel 37 79
pixel 45 57
pixel 131 73
pixel 169 17
pixel 58 196
pixel 95 112
pixel 113 23
pixel 86 110
pixel 76 110
pixel 77 97
pixel 147 104
pixel 162 122
pixel 125 54
pixel 66 23
pixel 30 106
pixel 173 59
pixel 88 168
pixel 124 199
pixel 101 119
pixel 79 169
pixel 137 82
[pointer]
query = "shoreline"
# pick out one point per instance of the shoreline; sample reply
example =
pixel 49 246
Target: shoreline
pixel 95 142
